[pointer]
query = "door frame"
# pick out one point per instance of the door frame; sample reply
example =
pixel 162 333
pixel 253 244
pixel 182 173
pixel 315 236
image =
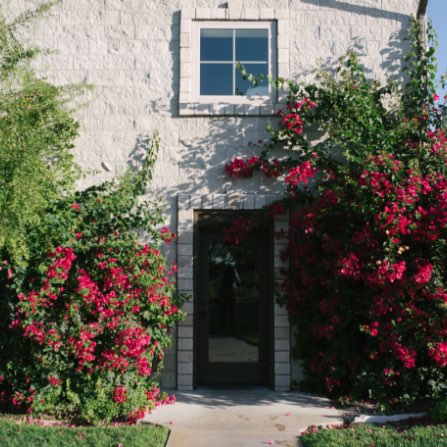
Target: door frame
pixel 214 220
pixel 181 358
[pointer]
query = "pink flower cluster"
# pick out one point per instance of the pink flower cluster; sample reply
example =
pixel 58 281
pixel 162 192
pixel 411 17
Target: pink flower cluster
pixel 300 174
pixel 100 315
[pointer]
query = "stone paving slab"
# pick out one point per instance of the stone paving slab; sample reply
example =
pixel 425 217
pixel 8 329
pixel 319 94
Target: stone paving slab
pixel 241 418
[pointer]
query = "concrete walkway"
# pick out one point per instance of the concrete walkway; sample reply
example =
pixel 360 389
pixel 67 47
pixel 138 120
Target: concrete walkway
pixel 241 418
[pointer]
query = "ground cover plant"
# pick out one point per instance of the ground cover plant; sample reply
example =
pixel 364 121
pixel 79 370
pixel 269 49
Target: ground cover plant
pixel 14 434
pixel 366 287
pixel 377 436
pixel 86 295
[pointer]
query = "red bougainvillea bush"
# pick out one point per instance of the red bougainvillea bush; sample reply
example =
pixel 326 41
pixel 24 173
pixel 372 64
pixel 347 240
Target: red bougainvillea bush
pixel 366 287
pixel 86 323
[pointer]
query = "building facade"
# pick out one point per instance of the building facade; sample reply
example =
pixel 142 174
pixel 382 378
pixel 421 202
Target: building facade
pixel 169 66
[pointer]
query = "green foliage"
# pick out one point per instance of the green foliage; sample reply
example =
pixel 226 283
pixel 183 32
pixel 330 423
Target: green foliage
pixel 36 135
pixel 86 306
pixel 14 433
pixel 92 317
pixel 438 413
pixel 370 435
pixel 366 287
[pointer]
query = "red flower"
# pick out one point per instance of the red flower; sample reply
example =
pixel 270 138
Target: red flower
pixel 120 395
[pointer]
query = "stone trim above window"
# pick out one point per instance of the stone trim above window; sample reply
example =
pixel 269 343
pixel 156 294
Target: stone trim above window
pixel 189 105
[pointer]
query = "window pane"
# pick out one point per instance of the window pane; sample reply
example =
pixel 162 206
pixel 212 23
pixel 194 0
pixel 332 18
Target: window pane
pixel 245 87
pixel 216 44
pixel 216 79
pixel 252 45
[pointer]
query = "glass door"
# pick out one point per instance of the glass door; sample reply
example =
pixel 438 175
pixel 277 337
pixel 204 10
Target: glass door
pixel 234 302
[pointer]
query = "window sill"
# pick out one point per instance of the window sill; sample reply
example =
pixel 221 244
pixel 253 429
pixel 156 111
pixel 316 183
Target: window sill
pixel 223 109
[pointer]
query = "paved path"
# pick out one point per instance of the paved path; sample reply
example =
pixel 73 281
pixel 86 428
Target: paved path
pixel 241 418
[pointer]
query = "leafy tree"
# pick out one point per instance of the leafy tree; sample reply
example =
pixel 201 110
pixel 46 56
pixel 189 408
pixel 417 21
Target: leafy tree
pixel 36 138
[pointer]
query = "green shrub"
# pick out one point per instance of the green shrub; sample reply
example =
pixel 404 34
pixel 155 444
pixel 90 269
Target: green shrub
pixel 86 307
pixel 438 412
pixel 366 283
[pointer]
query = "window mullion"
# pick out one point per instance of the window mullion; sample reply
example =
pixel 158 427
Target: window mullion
pixel 234 61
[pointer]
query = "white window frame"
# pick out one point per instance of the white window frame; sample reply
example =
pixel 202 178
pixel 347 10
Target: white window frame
pixel 190 102
pixel 197 26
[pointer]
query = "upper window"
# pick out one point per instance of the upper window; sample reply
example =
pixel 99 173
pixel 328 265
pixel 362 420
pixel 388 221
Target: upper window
pixel 221 47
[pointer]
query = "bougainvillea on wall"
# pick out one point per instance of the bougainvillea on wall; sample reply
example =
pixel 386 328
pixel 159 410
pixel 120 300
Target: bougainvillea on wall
pixel 366 287
pixel 90 319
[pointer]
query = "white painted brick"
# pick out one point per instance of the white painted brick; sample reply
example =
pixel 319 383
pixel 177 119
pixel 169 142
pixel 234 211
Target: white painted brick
pixel 186 322
pixel 283 26
pixel 184 249
pixel 217 14
pixel 202 109
pixel 282 382
pixel 87 62
pixel 283 369
pixel 184 382
pixel 219 201
pixel 185 344
pixel 185 332
pixel 185 55
pixel 57 62
pixel 184 368
pixel 186 109
pixel 184 262
pixel 185 40
pixel 283 56
pixel 119 62
pixel 188 308
pixel 282 345
pixel 120 31
pixel 185 285
pixel 281 321
pixel 185 237
pixel 249 201
pixel 283 70
pixel 207 202
pixel 188 357
pixel 282 333
pixel 187 13
pixel 267 14
pixel 282 357
pixel 281 14
pixel 250 14
pixel 196 202
pixel 203 13
pixel 251 110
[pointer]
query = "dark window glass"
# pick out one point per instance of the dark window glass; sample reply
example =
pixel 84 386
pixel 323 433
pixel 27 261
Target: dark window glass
pixel 252 45
pixel 216 79
pixel 216 44
pixel 245 87
pixel 230 45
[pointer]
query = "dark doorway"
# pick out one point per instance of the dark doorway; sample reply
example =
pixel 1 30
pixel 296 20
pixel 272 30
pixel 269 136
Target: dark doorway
pixel 233 303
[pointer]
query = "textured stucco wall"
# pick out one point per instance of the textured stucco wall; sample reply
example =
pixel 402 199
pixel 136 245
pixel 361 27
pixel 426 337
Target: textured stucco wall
pixel 129 50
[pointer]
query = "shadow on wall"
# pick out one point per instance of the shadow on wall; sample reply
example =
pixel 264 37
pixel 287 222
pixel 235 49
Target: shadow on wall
pixel 391 56
pixel 194 162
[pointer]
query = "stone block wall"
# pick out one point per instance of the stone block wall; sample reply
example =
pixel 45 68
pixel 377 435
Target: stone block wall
pixel 130 51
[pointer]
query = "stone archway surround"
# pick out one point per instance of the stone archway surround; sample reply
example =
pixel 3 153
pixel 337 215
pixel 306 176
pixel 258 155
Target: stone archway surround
pixel 187 204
